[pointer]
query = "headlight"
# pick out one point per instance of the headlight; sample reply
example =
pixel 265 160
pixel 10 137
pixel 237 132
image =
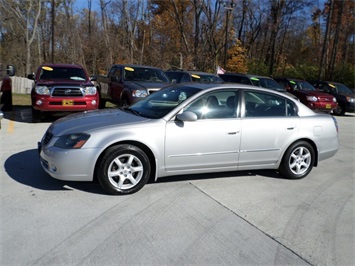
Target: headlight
pixel 42 90
pixel 89 90
pixel 139 93
pixel 312 98
pixel 72 141
pixel 349 99
pixel 334 100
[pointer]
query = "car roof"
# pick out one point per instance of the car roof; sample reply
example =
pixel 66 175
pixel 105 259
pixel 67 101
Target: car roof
pixel 205 86
pixel 234 74
pixel 295 79
pixel 258 76
pixel 133 66
pixel 61 65
pixel 197 72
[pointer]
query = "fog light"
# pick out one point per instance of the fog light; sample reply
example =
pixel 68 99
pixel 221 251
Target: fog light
pixel 39 102
pixel 53 168
pixel 93 102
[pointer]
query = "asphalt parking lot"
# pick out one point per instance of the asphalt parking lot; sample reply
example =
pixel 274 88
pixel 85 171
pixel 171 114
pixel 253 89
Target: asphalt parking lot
pixel 238 218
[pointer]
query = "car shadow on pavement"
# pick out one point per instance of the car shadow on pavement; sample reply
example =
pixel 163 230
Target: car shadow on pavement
pixel 23 114
pixel 19 114
pixel 25 168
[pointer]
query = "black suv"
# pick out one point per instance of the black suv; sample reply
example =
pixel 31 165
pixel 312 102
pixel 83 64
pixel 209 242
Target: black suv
pixel 345 97
pixel 182 76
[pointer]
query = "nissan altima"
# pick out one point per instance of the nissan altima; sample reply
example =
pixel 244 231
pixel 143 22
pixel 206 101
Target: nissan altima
pixel 189 129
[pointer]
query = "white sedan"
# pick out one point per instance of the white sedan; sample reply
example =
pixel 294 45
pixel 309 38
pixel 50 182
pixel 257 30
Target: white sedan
pixel 189 129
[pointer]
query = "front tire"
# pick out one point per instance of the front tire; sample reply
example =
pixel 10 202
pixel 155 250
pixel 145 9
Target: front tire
pixel 340 110
pixel 298 160
pixel 36 116
pixel 123 169
pixel 125 102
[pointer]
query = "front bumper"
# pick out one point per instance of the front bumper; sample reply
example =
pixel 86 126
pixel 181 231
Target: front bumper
pixel 322 106
pixel 51 104
pixel 68 164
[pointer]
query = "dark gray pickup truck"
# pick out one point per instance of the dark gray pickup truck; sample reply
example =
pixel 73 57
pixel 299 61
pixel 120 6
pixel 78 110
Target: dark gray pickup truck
pixel 126 84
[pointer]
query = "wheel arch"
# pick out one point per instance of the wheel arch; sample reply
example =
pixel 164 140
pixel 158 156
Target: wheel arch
pixel 312 143
pixel 138 144
pixel 126 94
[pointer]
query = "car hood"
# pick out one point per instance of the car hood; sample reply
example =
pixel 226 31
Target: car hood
pixel 93 120
pixel 64 82
pixel 315 93
pixel 145 85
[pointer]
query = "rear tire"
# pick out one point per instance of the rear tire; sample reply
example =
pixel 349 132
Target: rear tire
pixel 298 160
pixel 123 169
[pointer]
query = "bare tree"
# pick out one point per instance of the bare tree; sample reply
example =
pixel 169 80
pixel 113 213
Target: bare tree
pixel 27 15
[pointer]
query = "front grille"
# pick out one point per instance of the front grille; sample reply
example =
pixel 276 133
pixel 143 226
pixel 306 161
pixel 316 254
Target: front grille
pixel 67 91
pixel 325 99
pixel 60 103
pixel 47 138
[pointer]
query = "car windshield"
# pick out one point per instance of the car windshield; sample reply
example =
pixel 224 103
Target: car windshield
pixel 303 85
pixel 267 83
pixel 160 103
pixel 342 89
pixel 51 73
pixel 206 78
pixel 145 74
pixel 174 76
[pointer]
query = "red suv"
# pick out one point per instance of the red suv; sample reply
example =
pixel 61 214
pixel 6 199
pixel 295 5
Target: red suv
pixel 308 95
pixel 59 88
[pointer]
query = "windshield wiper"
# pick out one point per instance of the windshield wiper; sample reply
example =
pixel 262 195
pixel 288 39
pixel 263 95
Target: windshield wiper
pixel 131 110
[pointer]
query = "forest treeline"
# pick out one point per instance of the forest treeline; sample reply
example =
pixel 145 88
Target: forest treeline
pixel 309 39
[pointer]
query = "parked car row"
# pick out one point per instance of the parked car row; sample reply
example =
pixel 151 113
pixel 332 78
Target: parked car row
pixel 345 97
pixel 255 80
pixel 308 95
pixel 68 88
pixel 318 95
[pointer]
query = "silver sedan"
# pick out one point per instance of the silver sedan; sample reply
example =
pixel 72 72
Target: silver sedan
pixel 189 129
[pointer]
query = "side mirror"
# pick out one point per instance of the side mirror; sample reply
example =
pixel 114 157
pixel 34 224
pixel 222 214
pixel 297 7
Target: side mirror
pixel 93 78
pixel 10 69
pixel 187 116
pixel 31 76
